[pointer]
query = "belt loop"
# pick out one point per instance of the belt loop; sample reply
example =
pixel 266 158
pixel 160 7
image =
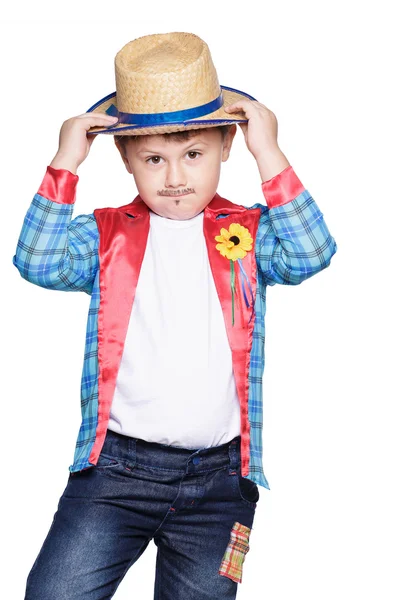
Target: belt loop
pixel 234 456
pixel 132 451
pixel 132 444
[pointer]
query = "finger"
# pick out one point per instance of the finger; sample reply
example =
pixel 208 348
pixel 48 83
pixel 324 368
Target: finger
pixel 100 121
pixel 243 104
pixel 96 115
pixel 232 107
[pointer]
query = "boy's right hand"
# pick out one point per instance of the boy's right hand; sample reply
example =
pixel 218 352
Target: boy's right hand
pixel 74 144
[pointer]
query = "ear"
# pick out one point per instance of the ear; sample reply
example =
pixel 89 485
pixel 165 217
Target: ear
pixel 122 152
pixel 228 141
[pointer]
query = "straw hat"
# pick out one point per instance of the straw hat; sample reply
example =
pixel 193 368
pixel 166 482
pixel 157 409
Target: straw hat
pixel 167 82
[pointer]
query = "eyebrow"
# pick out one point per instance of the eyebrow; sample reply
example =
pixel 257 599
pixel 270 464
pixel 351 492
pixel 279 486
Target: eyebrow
pixel 194 143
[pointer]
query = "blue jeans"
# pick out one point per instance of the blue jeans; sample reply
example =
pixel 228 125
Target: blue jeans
pixel 193 503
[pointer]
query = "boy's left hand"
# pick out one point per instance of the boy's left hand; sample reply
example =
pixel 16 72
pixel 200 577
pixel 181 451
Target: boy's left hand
pixel 261 131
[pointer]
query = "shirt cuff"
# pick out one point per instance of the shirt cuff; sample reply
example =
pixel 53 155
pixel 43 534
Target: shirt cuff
pixel 282 188
pixel 59 185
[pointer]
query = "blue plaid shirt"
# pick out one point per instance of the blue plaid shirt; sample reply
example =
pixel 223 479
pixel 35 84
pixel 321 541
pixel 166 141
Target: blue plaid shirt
pixel 57 252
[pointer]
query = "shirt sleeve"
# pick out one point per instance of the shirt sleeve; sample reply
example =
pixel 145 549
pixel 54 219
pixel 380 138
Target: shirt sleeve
pixel 54 251
pixel 293 241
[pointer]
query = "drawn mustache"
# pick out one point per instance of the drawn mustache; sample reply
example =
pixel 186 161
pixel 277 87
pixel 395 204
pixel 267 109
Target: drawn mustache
pixel 176 192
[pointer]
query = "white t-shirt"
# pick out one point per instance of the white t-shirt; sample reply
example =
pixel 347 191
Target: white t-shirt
pixel 175 383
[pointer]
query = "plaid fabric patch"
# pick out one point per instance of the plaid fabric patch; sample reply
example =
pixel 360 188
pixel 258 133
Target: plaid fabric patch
pixel 237 548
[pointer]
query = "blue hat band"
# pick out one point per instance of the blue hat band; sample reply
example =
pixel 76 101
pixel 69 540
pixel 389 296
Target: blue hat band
pixel 158 118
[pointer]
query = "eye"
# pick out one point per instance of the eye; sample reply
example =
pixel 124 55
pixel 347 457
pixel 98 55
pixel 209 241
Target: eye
pixel 158 157
pixel 193 152
pixel 151 158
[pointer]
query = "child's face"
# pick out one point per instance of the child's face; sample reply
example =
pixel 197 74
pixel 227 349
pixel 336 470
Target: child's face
pixel 164 169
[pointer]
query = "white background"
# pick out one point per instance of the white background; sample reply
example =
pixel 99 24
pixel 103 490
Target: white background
pixel 331 527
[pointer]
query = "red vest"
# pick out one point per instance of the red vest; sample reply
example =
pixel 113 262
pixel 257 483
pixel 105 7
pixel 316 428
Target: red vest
pixel 123 235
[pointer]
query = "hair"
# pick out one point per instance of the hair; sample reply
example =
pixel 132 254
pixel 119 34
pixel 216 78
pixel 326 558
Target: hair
pixel 175 136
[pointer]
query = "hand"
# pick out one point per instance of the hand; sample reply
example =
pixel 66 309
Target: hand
pixel 74 144
pixel 261 131
pixel 260 134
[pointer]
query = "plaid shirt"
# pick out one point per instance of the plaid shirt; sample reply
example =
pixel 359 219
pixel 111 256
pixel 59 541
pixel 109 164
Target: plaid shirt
pixel 57 252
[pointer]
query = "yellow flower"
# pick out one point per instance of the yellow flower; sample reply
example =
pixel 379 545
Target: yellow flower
pixel 235 242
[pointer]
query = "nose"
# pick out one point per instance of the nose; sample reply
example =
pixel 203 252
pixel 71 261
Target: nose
pixel 175 177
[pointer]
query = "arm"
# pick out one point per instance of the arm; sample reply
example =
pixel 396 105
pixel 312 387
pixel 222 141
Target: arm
pixel 293 242
pixel 54 251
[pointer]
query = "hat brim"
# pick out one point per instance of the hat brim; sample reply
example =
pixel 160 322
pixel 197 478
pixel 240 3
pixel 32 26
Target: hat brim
pixel 213 119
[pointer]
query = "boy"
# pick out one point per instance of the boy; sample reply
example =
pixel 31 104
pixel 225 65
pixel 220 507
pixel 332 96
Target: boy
pixel 170 445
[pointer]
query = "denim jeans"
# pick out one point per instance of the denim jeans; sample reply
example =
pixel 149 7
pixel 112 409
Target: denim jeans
pixel 193 503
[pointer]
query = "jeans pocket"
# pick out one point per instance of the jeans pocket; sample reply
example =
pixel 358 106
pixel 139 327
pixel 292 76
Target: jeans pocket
pixel 108 464
pixel 248 490
pixel 119 468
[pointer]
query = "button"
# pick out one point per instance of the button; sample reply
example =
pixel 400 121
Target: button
pixel 196 460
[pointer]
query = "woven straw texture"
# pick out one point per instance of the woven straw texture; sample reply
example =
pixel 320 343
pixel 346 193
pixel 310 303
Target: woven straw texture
pixel 162 73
